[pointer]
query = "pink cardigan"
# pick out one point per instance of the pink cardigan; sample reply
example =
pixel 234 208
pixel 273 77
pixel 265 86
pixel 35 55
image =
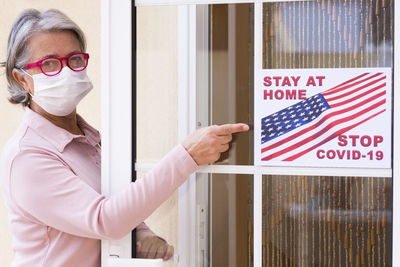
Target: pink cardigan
pixel 51 185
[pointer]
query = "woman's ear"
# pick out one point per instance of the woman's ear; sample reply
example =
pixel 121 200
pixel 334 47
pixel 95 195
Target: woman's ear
pixel 23 80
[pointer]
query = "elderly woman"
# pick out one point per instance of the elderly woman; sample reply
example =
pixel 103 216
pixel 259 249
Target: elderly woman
pixel 50 169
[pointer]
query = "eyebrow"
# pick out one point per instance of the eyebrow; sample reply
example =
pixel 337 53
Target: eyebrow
pixel 55 55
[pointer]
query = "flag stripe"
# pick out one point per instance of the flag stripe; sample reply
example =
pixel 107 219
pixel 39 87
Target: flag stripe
pixel 358 96
pixel 317 124
pixel 349 81
pixel 337 133
pixel 338 89
pixel 323 130
pixel 353 90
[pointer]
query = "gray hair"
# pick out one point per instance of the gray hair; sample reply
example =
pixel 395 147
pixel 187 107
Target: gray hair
pixel 27 24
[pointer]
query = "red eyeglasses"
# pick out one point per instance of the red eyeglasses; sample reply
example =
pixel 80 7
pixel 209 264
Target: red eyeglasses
pixel 53 65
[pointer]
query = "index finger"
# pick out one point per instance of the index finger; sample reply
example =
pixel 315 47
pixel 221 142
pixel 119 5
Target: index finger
pixel 226 129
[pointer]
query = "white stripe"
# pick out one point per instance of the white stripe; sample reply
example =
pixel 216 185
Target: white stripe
pixel 358 99
pixel 366 79
pixel 355 92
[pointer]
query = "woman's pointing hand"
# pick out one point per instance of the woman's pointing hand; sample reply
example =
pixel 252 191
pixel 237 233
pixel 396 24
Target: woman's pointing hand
pixel 206 144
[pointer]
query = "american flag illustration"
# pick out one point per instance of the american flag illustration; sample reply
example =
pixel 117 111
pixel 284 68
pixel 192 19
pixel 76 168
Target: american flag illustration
pixel 298 129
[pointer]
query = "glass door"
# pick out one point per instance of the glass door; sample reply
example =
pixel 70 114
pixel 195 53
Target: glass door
pixel 330 203
pixel 337 214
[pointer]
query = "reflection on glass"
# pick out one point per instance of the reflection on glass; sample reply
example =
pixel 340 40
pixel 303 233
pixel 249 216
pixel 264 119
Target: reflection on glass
pixel 231 220
pixel 231 74
pixel 327 221
pixel 328 34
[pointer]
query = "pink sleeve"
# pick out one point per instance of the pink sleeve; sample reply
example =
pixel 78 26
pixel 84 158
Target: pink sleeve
pixel 45 188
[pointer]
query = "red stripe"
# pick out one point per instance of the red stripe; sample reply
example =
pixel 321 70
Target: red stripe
pixel 354 90
pixel 323 130
pixel 359 96
pixel 349 81
pixel 335 134
pixel 338 89
pixel 314 126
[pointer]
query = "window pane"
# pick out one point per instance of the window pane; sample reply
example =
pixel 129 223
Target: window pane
pixel 231 220
pixel 328 34
pixel 231 74
pixel 327 221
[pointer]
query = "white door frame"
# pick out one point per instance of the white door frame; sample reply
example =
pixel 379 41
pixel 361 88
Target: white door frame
pixel 116 171
pixel 187 124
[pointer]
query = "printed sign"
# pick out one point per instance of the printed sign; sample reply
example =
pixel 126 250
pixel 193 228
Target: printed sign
pixel 323 117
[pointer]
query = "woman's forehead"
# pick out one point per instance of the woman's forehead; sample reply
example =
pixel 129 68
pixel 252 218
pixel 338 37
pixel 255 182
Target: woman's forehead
pixel 59 44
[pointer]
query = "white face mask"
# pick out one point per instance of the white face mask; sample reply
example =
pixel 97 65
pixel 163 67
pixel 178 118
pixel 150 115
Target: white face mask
pixel 60 94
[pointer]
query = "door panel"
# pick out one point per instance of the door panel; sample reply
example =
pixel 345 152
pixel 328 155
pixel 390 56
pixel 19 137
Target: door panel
pixel 327 221
pixel 231 100
pixel 316 220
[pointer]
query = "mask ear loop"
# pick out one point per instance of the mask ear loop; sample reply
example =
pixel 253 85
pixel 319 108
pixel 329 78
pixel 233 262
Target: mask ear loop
pixel 24 71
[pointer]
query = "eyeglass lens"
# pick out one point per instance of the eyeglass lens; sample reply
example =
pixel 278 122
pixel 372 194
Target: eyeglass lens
pixel 76 62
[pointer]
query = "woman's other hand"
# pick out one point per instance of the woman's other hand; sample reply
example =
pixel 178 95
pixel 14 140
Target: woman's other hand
pixel 206 144
pixel 153 247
